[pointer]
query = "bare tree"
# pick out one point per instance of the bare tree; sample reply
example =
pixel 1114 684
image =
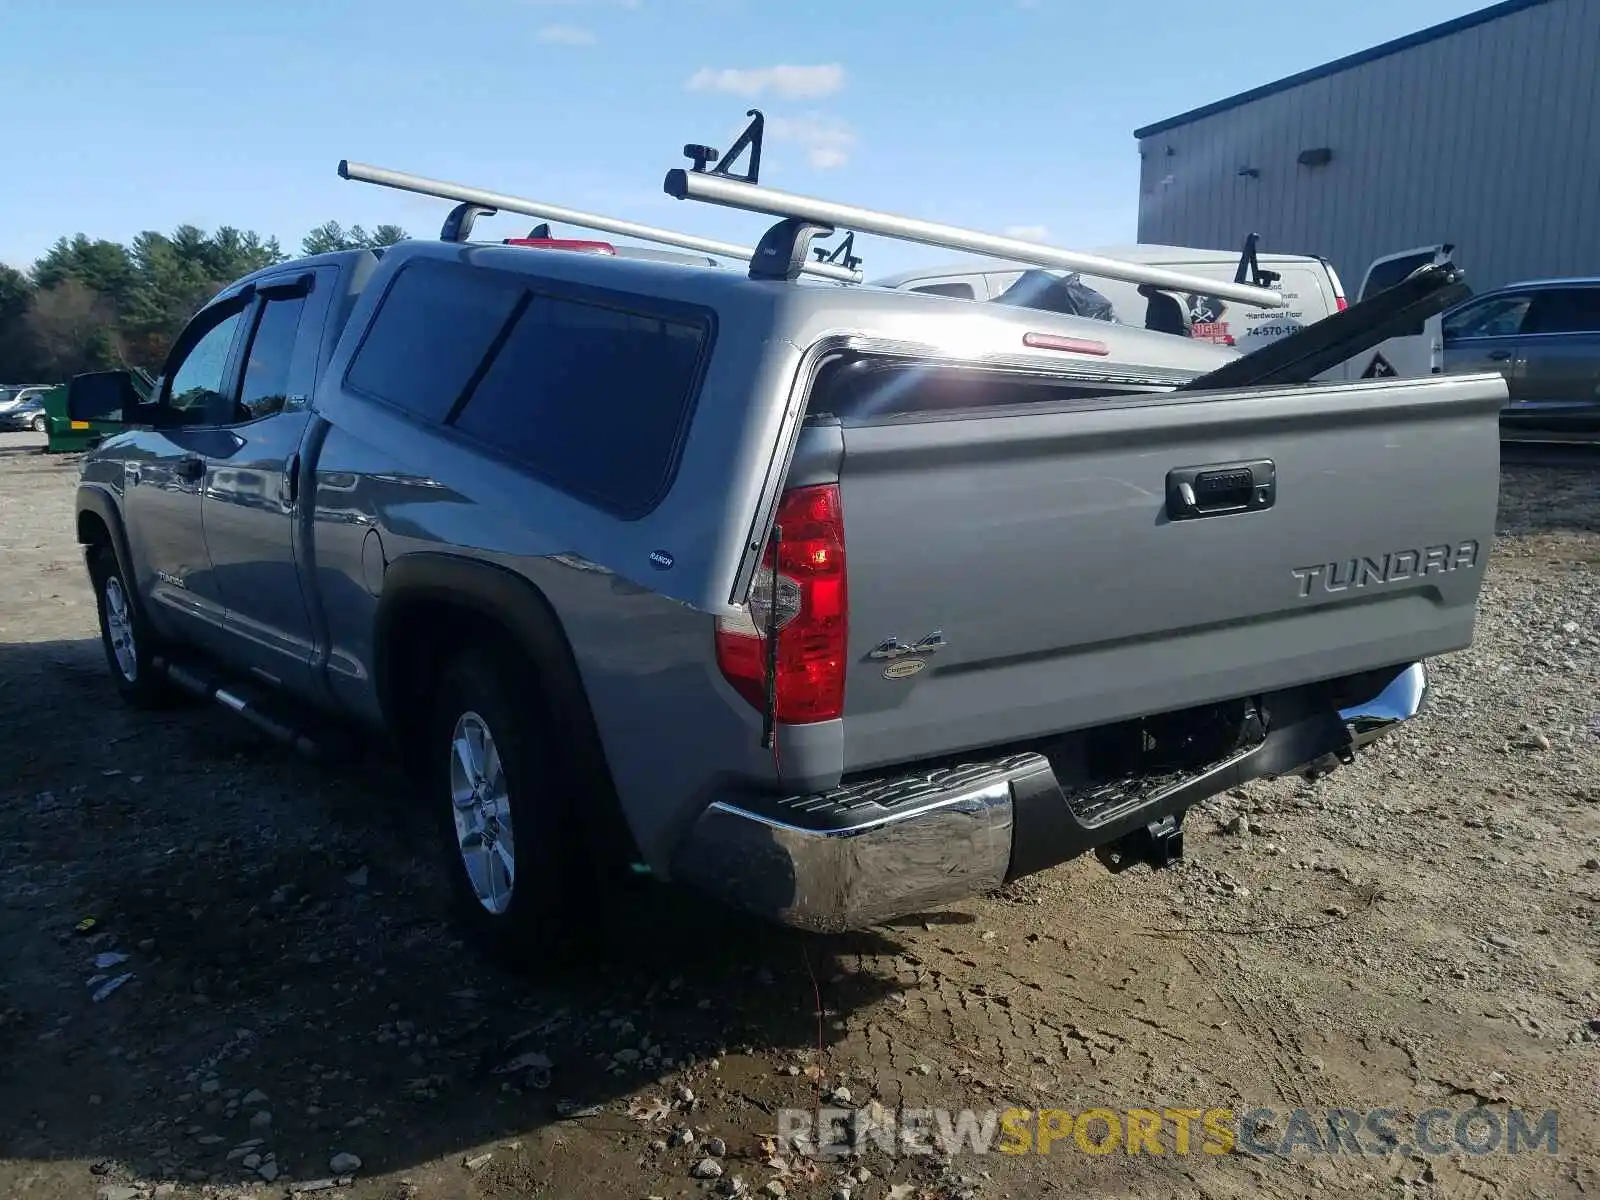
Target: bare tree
pixel 73 327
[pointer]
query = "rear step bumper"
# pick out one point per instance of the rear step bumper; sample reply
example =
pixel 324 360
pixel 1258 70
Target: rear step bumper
pixel 870 852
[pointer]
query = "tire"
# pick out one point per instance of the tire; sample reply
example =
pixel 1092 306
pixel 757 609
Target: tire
pixel 128 642
pixel 41 424
pixel 484 703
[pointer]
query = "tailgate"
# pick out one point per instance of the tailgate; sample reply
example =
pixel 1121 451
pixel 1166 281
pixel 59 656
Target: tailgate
pixel 1069 591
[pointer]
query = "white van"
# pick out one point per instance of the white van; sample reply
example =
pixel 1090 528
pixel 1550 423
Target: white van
pixel 1309 284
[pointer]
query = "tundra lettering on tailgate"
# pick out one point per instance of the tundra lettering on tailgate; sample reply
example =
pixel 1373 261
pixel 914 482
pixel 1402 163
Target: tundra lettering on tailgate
pixel 1390 568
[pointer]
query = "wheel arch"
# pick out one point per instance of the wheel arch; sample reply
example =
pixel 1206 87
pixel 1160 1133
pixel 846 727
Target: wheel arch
pixel 99 523
pixel 434 604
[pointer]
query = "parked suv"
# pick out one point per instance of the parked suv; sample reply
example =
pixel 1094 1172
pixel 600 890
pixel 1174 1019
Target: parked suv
pixel 833 602
pixel 1543 337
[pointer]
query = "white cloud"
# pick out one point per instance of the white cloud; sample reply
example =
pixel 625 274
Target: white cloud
pixel 1028 233
pixel 790 82
pixel 567 35
pixel 826 140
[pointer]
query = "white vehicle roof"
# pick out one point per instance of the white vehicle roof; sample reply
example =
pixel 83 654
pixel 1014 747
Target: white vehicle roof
pixel 1146 253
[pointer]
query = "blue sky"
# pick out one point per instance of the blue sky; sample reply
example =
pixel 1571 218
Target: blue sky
pixel 1000 114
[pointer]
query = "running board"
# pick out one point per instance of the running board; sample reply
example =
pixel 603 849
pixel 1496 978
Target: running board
pixel 208 689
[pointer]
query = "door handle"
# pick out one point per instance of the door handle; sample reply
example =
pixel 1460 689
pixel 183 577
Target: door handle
pixel 1219 489
pixel 191 467
pixel 1499 355
pixel 289 488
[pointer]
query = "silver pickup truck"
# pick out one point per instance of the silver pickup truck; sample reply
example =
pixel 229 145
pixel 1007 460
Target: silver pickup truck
pixel 837 602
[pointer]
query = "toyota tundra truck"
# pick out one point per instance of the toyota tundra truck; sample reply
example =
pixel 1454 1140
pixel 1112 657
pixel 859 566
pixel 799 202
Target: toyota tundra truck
pixel 835 602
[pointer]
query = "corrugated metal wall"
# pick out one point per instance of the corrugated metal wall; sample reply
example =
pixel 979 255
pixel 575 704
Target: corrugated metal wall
pixel 1488 138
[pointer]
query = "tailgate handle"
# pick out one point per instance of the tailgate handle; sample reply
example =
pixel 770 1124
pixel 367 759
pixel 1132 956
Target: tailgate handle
pixel 1218 489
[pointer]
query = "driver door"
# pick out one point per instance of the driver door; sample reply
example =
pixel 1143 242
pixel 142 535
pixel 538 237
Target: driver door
pixel 164 477
pixel 252 508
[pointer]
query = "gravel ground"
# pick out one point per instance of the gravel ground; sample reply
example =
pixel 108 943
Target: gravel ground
pixel 1419 930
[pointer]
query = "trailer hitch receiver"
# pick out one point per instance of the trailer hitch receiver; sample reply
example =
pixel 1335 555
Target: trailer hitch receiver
pixel 1159 843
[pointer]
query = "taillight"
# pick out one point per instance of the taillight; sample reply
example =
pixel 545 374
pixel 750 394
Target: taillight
pixel 811 617
pixel 1341 303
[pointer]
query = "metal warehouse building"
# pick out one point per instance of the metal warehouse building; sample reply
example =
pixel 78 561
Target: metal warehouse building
pixel 1483 132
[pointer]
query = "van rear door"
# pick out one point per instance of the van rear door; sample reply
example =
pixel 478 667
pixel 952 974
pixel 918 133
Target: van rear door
pixel 1419 351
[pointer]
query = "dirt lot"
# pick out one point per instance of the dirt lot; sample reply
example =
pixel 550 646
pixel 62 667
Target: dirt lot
pixel 1419 930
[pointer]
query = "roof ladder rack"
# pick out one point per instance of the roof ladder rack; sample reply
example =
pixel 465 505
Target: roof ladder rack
pixel 1250 269
pixel 473 203
pixel 783 250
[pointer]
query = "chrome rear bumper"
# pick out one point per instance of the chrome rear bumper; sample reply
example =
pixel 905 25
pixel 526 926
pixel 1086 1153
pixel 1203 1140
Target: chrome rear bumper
pixel 870 852
pixel 1401 700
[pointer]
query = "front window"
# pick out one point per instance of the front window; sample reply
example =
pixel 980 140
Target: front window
pixel 196 394
pixel 1496 316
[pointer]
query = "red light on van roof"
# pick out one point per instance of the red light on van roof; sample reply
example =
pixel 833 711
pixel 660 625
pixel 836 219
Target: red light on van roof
pixel 1072 345
pixel 564 244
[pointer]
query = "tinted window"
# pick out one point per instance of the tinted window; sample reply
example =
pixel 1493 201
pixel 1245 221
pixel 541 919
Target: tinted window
pixel 865 388
pixel 1496 316
pixel 591 399
pixel 1564 310
pixel 962 291
pixel 195 396
pixel 433 328
pixel 1385 275
pixel 266 370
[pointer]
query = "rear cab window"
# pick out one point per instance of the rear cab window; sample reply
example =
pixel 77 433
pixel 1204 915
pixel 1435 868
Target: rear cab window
pixel 587 390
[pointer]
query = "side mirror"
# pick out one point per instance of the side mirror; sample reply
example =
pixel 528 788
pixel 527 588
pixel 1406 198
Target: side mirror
pixel 103 396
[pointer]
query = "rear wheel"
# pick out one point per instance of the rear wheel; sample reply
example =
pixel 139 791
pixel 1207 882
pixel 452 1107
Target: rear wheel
pixel 128 642
pixel 495 783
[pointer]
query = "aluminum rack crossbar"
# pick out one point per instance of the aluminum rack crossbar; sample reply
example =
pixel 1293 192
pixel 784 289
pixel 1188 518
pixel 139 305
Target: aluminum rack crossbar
pixel 400 180
pixel 713 188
